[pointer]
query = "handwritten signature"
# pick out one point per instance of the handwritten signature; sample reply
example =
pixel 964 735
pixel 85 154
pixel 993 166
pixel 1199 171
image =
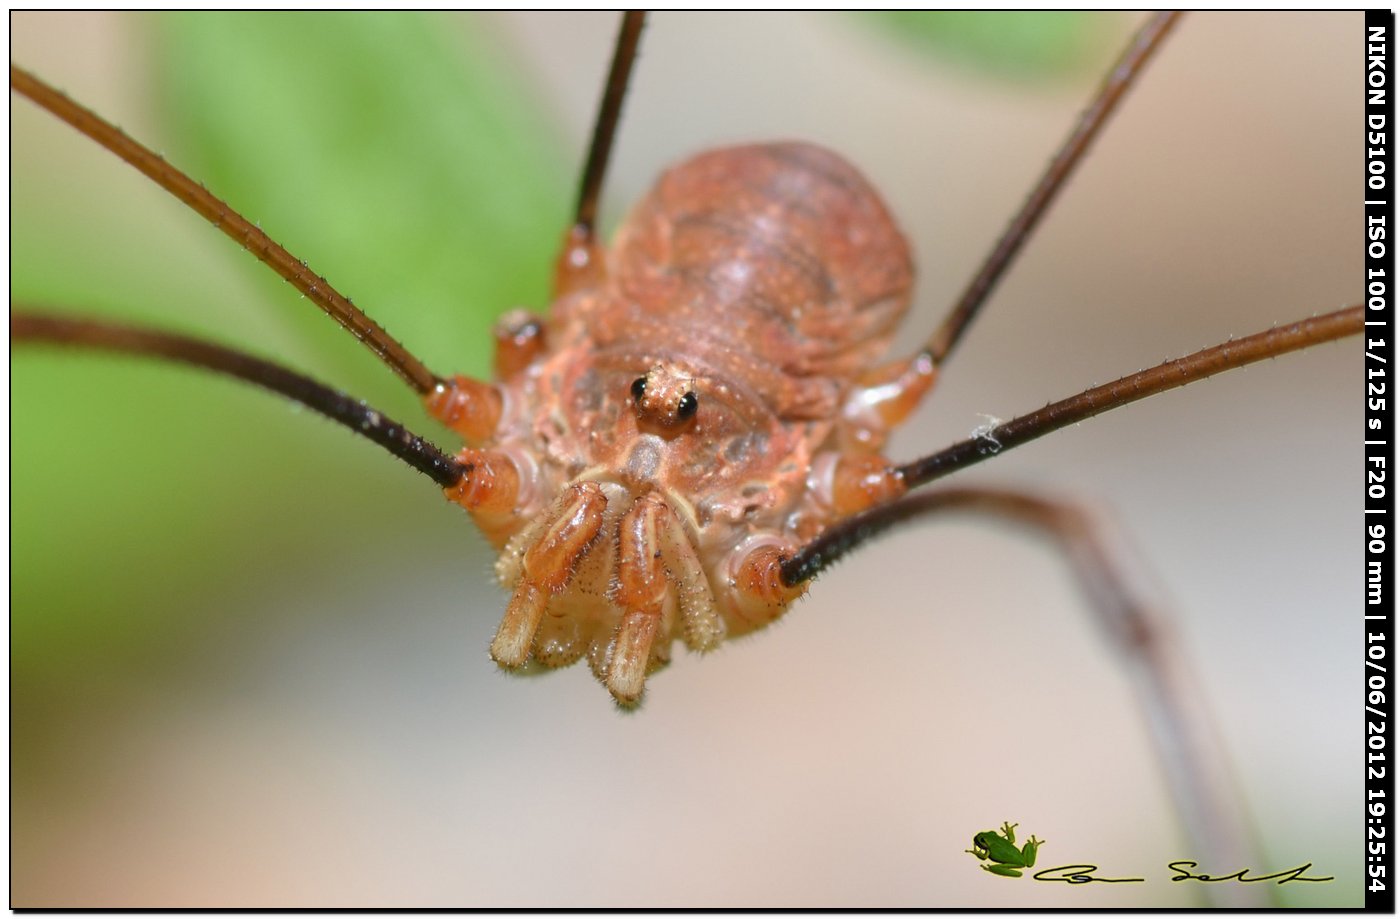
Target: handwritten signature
pixel 1084 874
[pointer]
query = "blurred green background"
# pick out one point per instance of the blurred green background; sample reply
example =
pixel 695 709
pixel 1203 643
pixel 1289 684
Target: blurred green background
pixel 247 650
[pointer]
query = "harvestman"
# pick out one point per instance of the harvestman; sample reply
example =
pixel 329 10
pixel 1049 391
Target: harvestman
pixel 776 577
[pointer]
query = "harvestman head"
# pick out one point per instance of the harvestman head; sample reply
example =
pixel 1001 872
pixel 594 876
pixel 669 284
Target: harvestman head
pixel 610 550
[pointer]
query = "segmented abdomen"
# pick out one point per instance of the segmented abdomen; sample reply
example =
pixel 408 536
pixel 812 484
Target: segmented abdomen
pixel 780 252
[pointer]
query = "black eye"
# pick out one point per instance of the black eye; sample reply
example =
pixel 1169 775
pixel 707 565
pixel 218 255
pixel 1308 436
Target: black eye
pixel 687 406
pixel 639 388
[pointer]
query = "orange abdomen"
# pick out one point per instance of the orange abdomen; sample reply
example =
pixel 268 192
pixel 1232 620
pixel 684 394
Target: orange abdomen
pixel 780 250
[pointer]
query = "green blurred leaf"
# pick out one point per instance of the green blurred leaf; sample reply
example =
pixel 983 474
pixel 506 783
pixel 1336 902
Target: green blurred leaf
pixel 1023 46
pixel 394 153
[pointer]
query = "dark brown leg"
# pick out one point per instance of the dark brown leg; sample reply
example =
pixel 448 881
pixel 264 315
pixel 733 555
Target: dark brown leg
pixel 1193 761
pixel 28 328
pixel 1293 337
pixel 231 223
pixel 1120 78
pixel 580 261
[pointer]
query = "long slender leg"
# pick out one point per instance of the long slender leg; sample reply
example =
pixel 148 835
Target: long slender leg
pixel 580 264
pixel 889 393
pixel 1125 71
pixel 35 328
pixel 233 225
pixel 861 480
pixel 1188 747
pixel 1133 387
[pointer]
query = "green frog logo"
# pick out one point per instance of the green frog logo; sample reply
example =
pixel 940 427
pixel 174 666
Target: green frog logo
pixel 999 849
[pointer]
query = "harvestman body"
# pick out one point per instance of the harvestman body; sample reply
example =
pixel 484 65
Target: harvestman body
pixel 704 406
